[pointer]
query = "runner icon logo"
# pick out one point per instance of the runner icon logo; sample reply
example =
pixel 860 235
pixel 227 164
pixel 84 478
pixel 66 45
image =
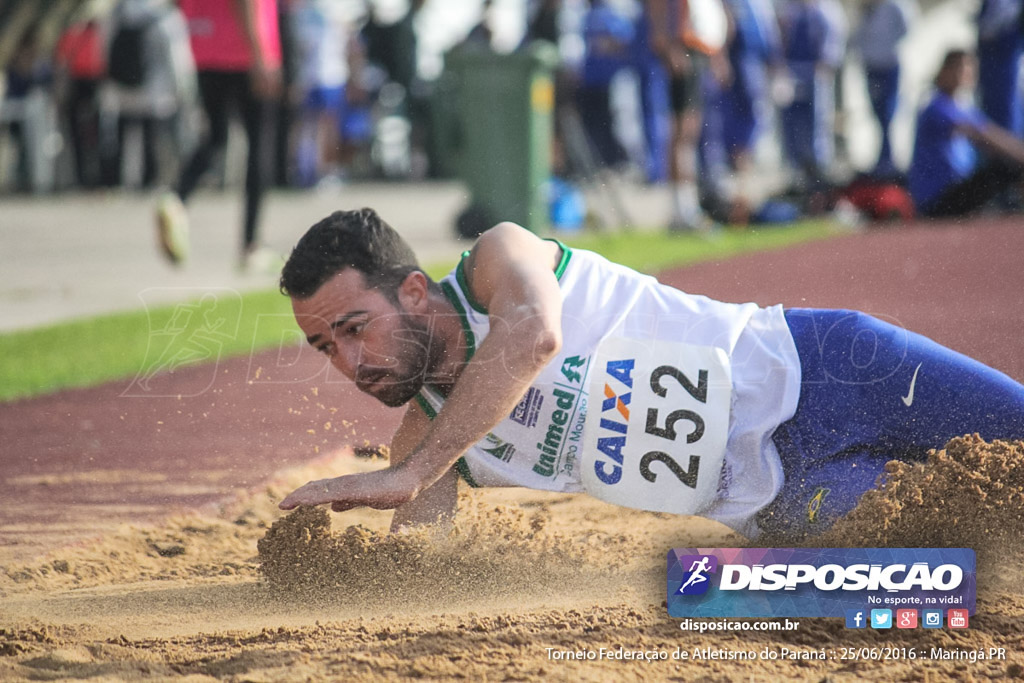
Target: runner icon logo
pixel 696 580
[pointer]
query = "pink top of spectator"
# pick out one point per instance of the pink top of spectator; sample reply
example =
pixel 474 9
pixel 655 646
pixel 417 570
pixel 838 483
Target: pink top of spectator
pixel 218 36
pixel 80 49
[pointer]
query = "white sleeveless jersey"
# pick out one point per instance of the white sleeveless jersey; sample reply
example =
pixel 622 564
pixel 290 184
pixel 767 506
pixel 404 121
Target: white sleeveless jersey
pixel 548 439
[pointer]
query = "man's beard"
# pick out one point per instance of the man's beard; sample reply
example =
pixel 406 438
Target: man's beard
pixel 415 358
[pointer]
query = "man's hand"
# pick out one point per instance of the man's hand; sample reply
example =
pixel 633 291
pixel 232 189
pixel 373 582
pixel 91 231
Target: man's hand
pixel 381 490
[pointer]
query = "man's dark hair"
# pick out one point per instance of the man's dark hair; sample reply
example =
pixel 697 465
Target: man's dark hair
pixel 348 239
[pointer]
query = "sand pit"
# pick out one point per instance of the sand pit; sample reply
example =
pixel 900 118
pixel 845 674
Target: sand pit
pixel 330 596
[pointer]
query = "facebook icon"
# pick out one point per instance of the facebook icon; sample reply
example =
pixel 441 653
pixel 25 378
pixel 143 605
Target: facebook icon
pixel 856 618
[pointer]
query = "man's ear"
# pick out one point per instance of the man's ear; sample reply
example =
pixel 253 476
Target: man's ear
pixel 412 293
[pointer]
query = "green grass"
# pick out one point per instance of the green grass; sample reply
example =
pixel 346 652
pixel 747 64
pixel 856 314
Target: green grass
pixel 651 251
pixel 87 352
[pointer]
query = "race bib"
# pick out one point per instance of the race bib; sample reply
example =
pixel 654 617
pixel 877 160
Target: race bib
pixel 657 424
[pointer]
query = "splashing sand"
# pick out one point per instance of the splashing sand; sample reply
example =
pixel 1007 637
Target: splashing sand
pixel 522 572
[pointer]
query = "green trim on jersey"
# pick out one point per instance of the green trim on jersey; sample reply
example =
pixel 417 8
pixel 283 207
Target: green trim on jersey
pixel 460 277
pixel 460 274
pixel 563 263
pixel 449 292
pixel 461 467
pixel 428 409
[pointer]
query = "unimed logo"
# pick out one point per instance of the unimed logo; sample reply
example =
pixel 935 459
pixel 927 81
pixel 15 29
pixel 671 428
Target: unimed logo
pixel 808 582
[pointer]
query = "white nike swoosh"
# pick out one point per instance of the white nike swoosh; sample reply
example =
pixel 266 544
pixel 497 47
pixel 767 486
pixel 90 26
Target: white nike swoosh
pixel 909 398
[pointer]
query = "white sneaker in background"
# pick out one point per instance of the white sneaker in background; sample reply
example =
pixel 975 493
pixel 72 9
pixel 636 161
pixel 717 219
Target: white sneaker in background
pixel 261 259
pixel 172 228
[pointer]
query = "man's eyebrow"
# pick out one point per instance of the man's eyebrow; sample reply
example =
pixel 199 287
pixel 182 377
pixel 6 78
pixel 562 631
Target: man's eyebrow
pixel 313 339
pixel 345 318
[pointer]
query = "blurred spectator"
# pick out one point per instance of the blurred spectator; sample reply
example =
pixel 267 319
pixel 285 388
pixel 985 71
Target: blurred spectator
pixel 153 76
pixel 543 21
pixel 286 111
pixel 814 42
pixel 654 96
pixel 883 25
pixel 81 60
pixel 391 44
pixel 607 35
pixel 28 76
pixel 481 35
pixel 400 115
pixel 1000 39
pixel 946 178
pixel 322 38
pixel 237 51
pixel 735 114
pixel 685 56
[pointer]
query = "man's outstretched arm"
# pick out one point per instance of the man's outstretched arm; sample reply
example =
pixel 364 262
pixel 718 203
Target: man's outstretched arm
pixel 511 273
pixel 435 504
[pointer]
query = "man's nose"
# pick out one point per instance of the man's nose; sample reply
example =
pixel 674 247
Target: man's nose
pixel 346 361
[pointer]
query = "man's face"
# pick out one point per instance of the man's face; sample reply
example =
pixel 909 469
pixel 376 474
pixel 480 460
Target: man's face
pixel 384 349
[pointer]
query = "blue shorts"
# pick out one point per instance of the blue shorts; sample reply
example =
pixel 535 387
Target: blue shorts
pixel 873 392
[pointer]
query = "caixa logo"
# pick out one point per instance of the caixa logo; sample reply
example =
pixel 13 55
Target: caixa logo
pixel 618 391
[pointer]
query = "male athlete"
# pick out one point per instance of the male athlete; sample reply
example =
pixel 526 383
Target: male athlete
pixel 533 364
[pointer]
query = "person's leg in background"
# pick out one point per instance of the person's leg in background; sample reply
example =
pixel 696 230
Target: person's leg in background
pixel 797 120
pixel 871 392
pixel 150 126
pixel 83 128
pixel 973 193
pixel 743 102
pixel 822 129
pixel 883 90
pixel 594 106
pixel 257 117
pixel 215 91
pixel 684 94
pixel 715 176
pixel 656 119
pixel 999 80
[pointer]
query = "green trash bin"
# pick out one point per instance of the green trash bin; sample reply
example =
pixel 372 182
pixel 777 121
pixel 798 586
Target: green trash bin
pixel 503 139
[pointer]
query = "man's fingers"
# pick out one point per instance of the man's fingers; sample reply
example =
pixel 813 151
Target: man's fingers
pixel 289 503
pixel 313 493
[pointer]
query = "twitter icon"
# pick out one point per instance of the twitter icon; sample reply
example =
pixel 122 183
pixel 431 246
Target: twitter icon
pixel 881 618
